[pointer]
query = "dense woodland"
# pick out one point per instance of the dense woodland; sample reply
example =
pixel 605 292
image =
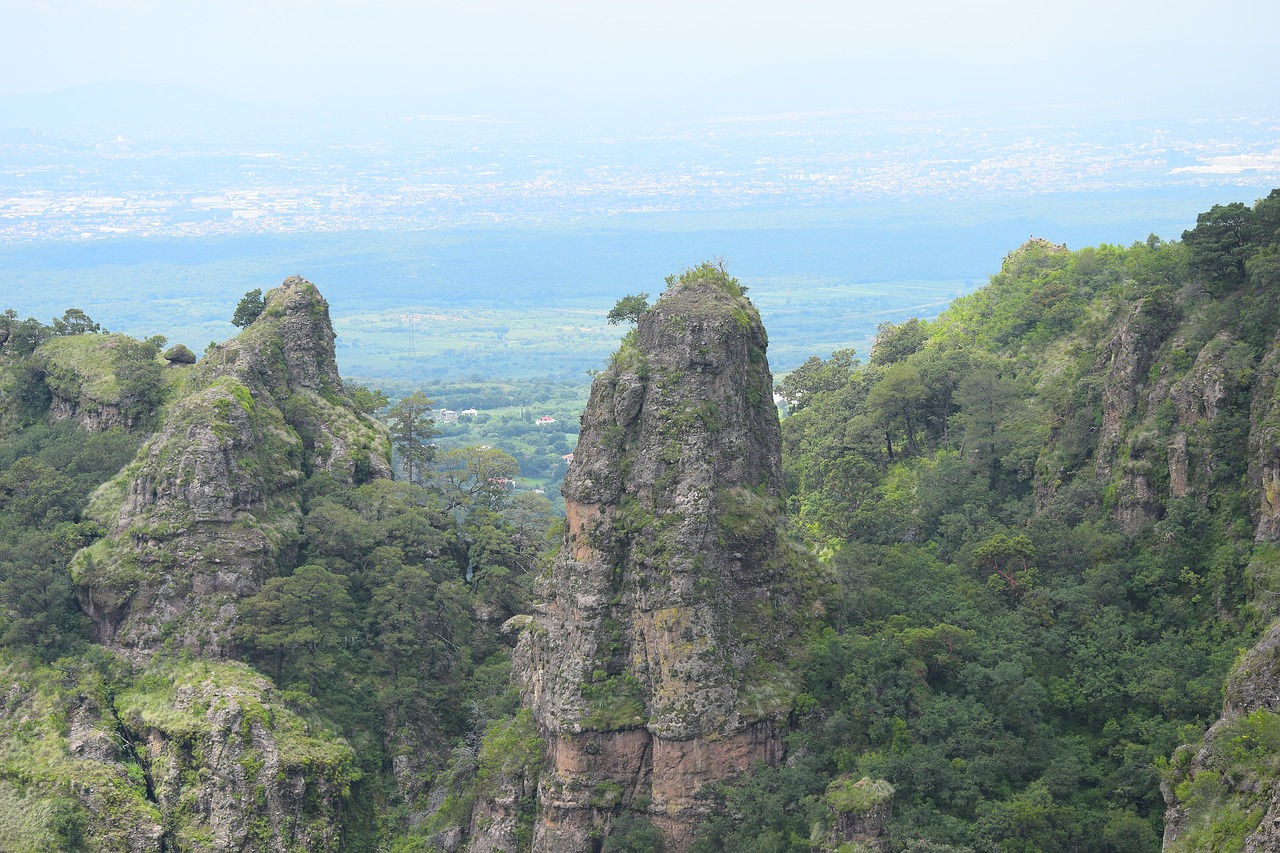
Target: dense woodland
pixel 1014 661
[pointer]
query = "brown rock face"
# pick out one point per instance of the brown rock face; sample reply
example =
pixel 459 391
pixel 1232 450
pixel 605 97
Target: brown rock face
pixel 1252 687
pixel 656 661
pixel 1264 448
pixel 211 500
pixel 1125 359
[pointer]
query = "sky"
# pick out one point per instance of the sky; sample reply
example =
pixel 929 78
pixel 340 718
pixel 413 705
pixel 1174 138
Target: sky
pixel 299 50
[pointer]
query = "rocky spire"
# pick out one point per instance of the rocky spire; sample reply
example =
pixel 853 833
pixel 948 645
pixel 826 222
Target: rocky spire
pixel 656 660
pixel 211 501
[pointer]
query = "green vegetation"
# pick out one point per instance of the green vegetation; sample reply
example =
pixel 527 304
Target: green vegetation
pixel 93 372
pixel 46 473
pixel 1224 800
pixel 1022 616
pixel 628 309
pixel 613 702
pixel 846 795
pixel 1015 642
pixel 411 430
pixel 249 308
pixel 713 271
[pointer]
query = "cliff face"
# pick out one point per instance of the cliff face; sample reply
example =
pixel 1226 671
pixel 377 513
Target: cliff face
pixel 1226 785
pixel 1190 413
pixel 211 499
pixel 656 660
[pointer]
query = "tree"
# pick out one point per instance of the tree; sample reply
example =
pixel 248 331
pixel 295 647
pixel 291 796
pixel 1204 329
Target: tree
pixel 987 402
pixel 476 476
pixel 249 308
pixel 895 342
pixel 1008 558
pixel 816 376
pixel 412 429
pixel 366 400
pixel 1220 243
pixel 141 378
pixel 898 400
pixel 38 608
pixel 628 309
pixel 530 518
pixel 299 623
pixel 75 322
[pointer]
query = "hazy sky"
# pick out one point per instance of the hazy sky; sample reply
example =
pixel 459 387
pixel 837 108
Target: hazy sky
pixel 301 49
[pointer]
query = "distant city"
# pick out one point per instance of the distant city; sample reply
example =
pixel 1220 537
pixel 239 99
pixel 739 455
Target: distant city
pixel 427 172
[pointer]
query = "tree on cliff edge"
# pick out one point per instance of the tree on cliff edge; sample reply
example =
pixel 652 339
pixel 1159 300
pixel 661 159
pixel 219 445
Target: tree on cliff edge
pixel 249 308
pixel 628 309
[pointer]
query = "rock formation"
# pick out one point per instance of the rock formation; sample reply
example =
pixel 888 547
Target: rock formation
pixel 100 381
pixel 190 756
pixel 656 661
pixel 192 751
pixel 1228 778
pixel 195 522
pixel 859 812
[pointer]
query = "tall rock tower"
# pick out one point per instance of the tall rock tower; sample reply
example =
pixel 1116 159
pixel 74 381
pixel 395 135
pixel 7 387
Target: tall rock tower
pixel 656 660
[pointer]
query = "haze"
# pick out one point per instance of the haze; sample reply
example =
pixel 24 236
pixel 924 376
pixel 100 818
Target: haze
pixel 296 51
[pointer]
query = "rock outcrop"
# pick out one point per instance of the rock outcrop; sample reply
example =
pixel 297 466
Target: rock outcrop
pixel 656 661
pixel 101 381
pixel 1224 788
pixel 181 749
pixel 859 813
pixel 231 766
pixel 1264 448
pixel 190 755
pixel 211 502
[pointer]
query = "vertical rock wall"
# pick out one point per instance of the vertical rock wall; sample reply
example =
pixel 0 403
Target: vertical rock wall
pixel 656 660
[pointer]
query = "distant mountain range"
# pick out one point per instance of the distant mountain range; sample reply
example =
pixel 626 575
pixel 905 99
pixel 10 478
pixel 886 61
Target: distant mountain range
pixel 1158 79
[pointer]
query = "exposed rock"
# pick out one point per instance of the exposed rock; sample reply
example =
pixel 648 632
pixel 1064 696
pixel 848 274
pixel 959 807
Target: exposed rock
pixel 211 501
pixel 1252 694
pixel 1218 781
pixel 179 354
pixel 1198 398
pixel 1179 465
pixel 656 660
pixel 1200 394
pixel 232 767
pixel 859 813
pixel 63 743
pixel 1264 448
pixel 1138 500
pixel 191 756
pixel 1125 360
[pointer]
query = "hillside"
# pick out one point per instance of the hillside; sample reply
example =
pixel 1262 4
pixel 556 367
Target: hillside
pixel 1050 524
pixel 1007 585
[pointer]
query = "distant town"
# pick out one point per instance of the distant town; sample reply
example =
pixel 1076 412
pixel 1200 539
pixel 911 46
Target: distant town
pixel 437 174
